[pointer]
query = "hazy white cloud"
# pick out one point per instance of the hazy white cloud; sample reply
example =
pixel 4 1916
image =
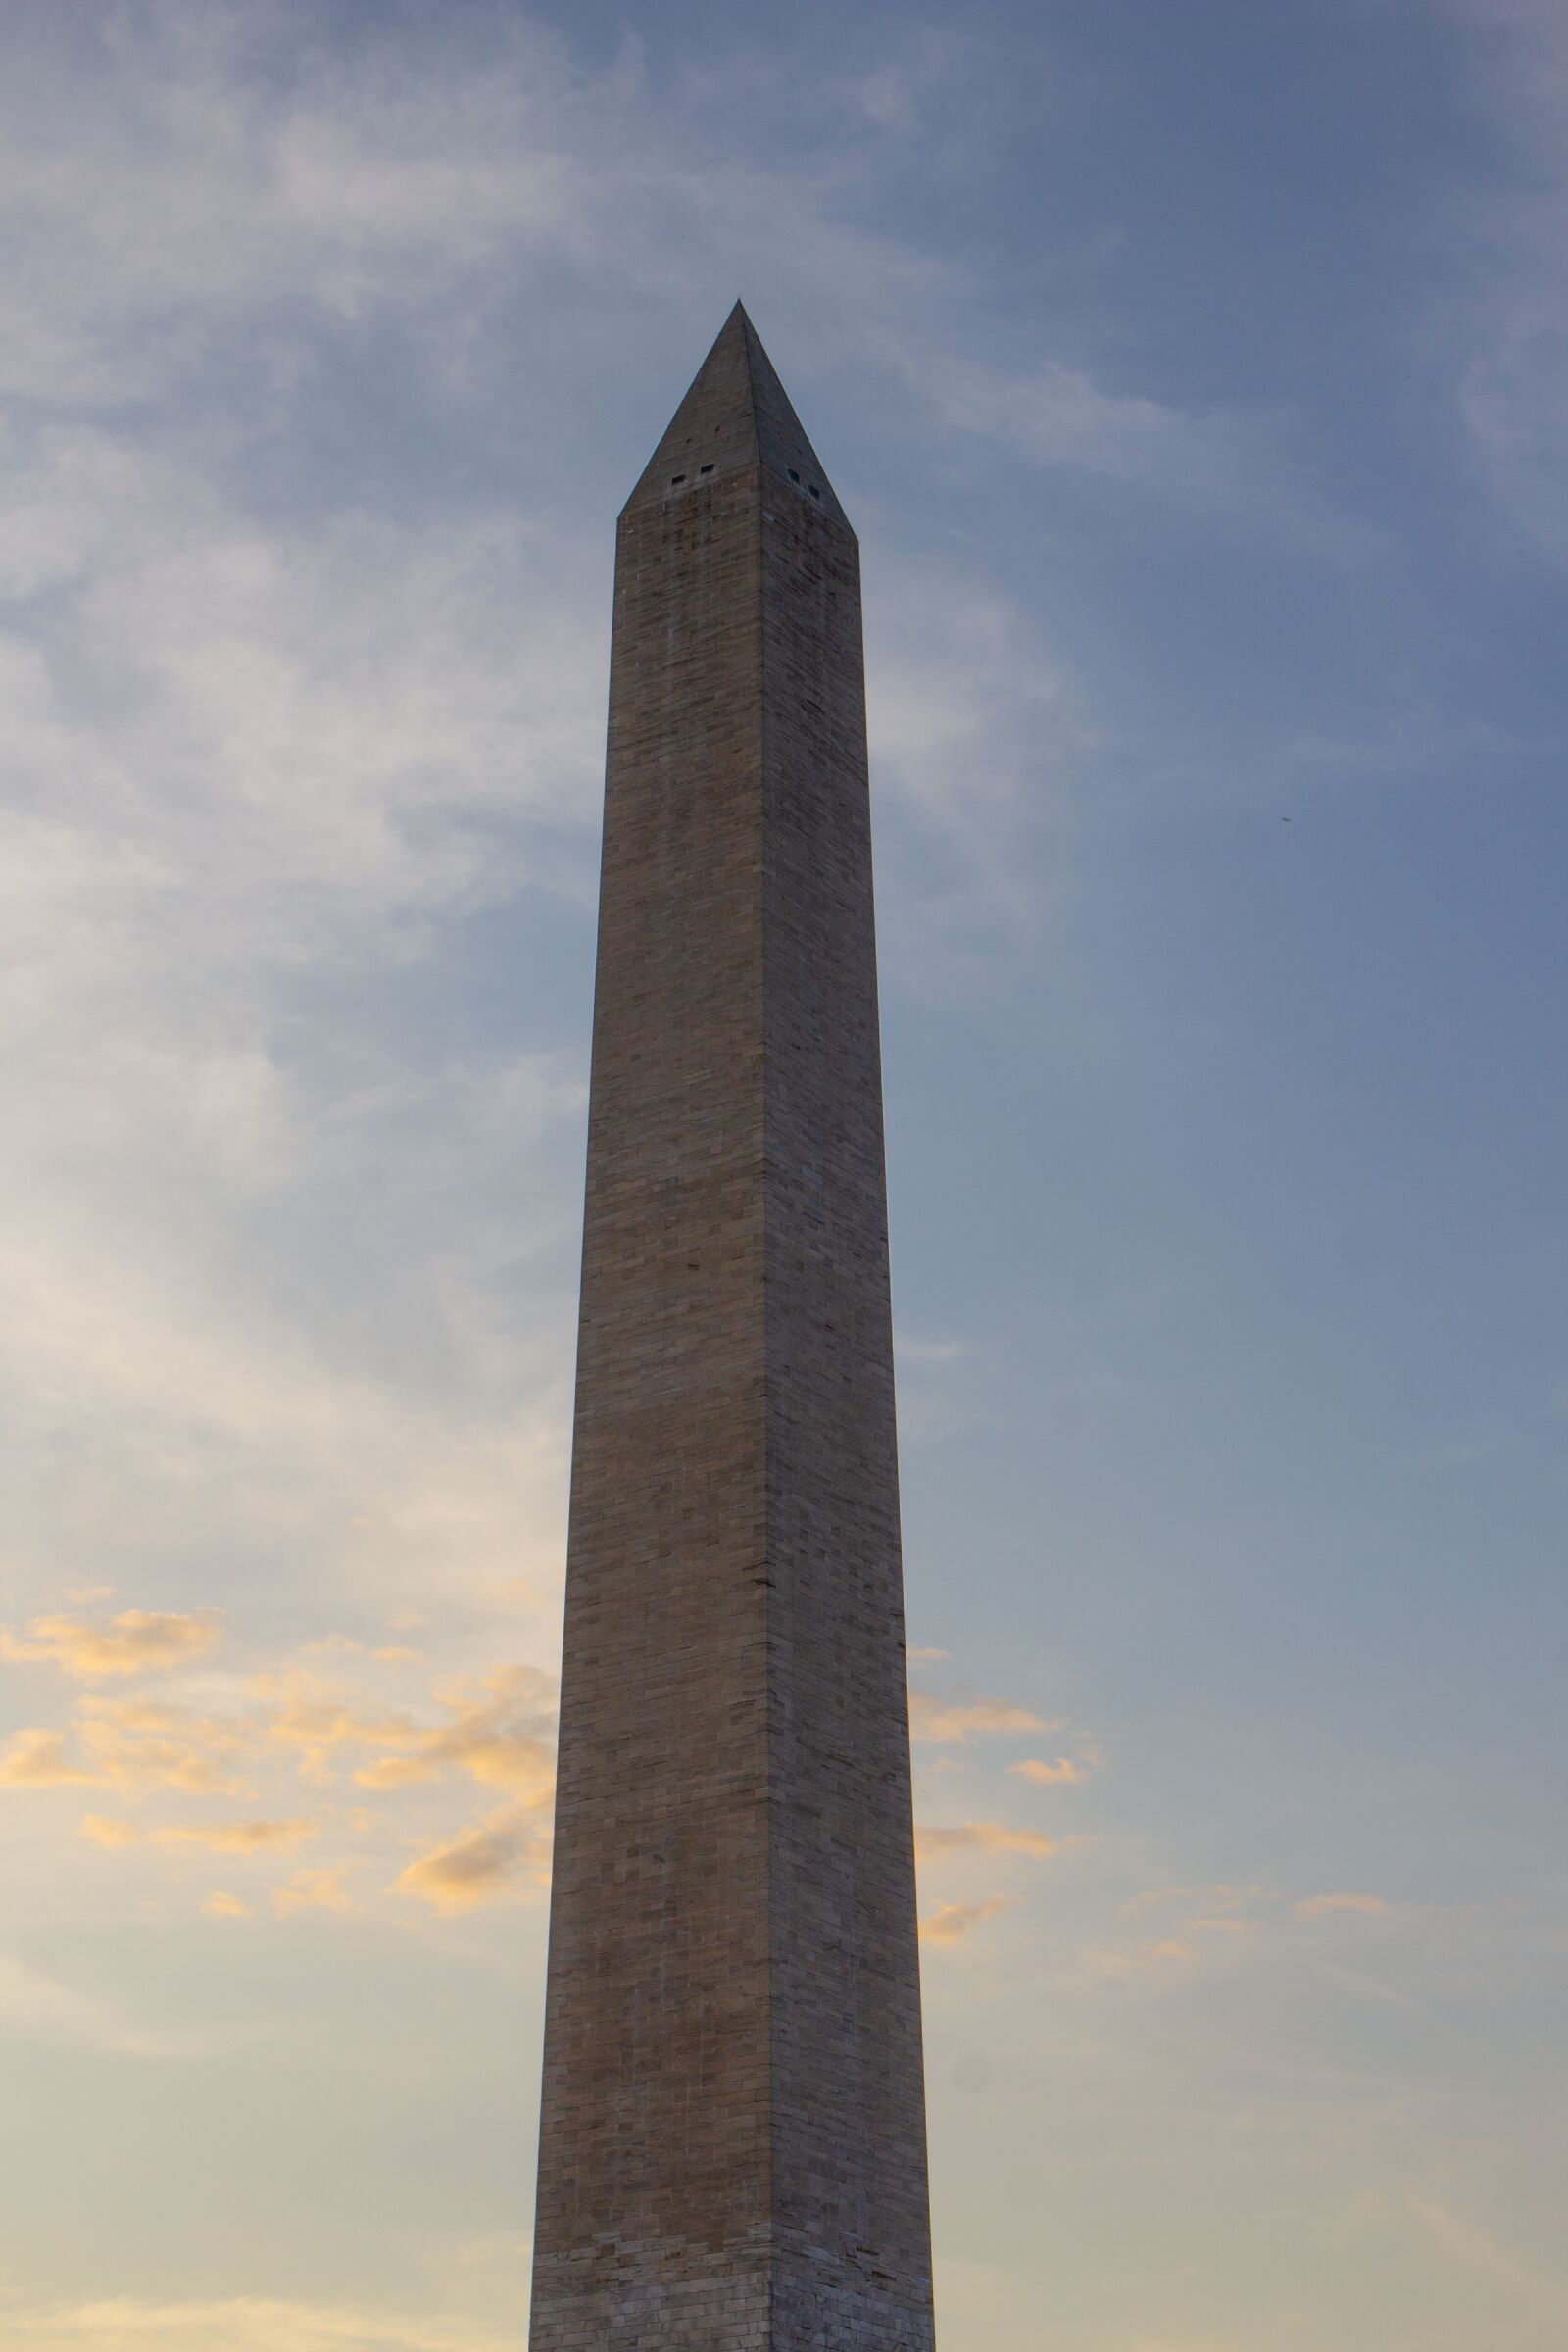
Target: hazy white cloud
pixel 1233 463
pixel 1477 2250
pixel 977 738
pixel 41 2008
pixel 913 1349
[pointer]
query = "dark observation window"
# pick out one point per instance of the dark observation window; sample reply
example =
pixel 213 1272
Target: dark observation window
pixel 815 492
pixel 705 470
pixel 674 478
pixel 794 476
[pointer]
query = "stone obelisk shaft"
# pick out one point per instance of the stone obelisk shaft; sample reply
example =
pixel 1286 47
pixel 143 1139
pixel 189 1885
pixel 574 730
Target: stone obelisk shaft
pixel 732 2154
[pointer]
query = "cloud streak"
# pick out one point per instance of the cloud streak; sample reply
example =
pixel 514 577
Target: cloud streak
pixel 505 1852
pixel 955 1722
pixel 985 1837
pixel 951 1922
pixel 136 1642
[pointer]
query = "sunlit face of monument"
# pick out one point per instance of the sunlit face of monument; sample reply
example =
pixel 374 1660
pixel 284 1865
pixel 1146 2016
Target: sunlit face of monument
pixel 732 2151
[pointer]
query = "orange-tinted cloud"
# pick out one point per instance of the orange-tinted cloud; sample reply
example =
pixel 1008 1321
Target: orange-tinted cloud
pixel 1323 1906
pixel 953 1723
pixel 237 1837
pixel 480 1864
pixel 137 1743
pixel 1045 1775
pixel 37 1758
pixel 305 1712
pixel 104 1831
pixel 225 1906
pixel 982 1836
pixel 951 1923
pixel 136 1642
pixel 501 1732
pixel 312 1890
pixel 218 1837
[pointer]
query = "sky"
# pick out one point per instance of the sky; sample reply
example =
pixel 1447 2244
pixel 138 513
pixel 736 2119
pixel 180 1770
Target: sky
pixel 1197 379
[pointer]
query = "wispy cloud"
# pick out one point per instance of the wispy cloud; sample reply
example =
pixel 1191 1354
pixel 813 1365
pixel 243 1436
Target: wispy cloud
pixel 219 1905
pixel 218 1837
pixel 500 1730
pixel 1328 1906
pixel 242 2324
pixel 1477 2250
pixel 313 1891
pixel 951 1923
pixel 507 1850
pixel 134 1745
pixel 985 1837
pixel 296 1726
pixel 43 2008
pixel 955 1722
pixel 1511 331
pixel 1063 1773
pixel 136 1642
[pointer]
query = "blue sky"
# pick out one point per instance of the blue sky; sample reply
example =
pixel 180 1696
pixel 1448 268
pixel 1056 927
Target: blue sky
pixel 1197 382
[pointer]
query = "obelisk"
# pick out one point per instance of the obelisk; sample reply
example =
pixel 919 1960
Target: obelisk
pixel 733 2149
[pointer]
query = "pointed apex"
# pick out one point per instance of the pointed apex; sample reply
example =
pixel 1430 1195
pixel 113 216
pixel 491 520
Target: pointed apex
pixel 736 414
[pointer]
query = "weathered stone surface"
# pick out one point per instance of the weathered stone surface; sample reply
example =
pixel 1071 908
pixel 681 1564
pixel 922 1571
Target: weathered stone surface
pixel 732 2153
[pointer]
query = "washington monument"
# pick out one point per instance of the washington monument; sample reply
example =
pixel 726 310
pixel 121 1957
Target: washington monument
pixel 733 2149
